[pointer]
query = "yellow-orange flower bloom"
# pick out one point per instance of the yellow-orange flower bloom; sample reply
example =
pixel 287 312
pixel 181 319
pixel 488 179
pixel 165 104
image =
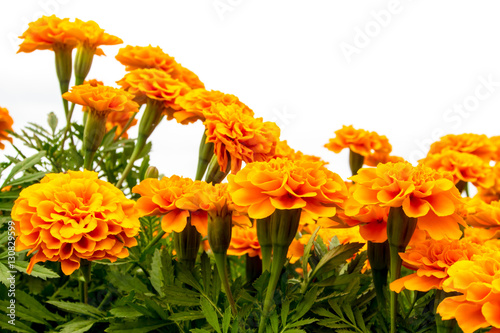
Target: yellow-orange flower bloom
pixel 154 84
pixel 137 57
pixel 475 144
pixel 423 193
pixel 478 280
pixel 371 219
pixel 93 82
pixel 495 140
pixel 188 77
pixel 463 166
pixel 48 33
pixel 381 157
pixel 119 120
pixel 73 216
pixel 359 141
pixel 239 137
pixel 431 260
pixel 6 123
pixel 90 36
pixel 483 215
pixel 491 193
pixel 198 102
pixel 102 98
pixel 244 241
pixel 284 184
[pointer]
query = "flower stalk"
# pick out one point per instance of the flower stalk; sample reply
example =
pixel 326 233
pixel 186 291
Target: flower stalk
pixel 206 152
pixel 187 243
pixel 355 162
pixel 265 242
pixel 63 69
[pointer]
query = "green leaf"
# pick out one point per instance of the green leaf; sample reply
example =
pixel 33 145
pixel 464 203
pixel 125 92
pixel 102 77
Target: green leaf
pixel 306 304
pixel 302 322
pixel 335 257
pixel 127 283
pixel 210 314
pixel 6 206
pixel 226 320
pixel 186 315
pixel 348 311
pixel 137 326
pixel 9 194
pixel 19 325
pixel 285 309
pixel 22 312
pixel 260 284
pixel 156 273
pixel 38 271
pixel 77 325
pixel 23 165
pixel 181 296
pixel 206 271
pixel 325 313
pixel 35 307
pixel 28 178
pixel 295 331
pixel 360 321
pixel 274 322
pixel 152 305
pixel 186 276
pixel 307 250
pixel 125 312
pixel 78 308
pixel 199 330
pixel 4 274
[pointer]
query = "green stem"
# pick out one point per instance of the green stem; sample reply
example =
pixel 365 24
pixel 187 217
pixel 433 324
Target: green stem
pixel 86 268
pixel 395 273
pixel 220 262
pixel 378 256
pixel 253 268
pixel 205 154
pixel 279 259
pixel 137 150
pixel 265 241
pixel 155 240
pixel 355 162
pixel 127 126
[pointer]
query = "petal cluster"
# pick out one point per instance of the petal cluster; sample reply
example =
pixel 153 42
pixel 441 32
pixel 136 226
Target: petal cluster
pixel 475 144
pixel 422 192
pixel 91 36
pixel 359 141
pixel 73 216
pixel 102 98
pixel 284 184
pixel 239 137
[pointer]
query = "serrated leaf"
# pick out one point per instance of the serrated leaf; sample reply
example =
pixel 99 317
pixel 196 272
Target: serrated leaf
pixel 306 304
pixel 226 320
pixel 210 314
pixel 199 330
pixel 156 273
pixel 336 256
pixel 18 327
pixel 332 323
pixel 152 305
pixel 28 178
pixel 186 276
pixel 348 311
pixel 360 321
pixel 325 313
pixel 35 307
pixel 295 330
pixel 137 326
pixel 22 313
pixel 127 282
pixel 206 271
pixel 302 322
pixel 78 308
pixel 307 250
pixel 285 309
pixel 77 325
pixel 260 284
pixel 273 319
pixel 125 312
pixel 38 271
pixel 186 315
pixel 4 274
pixel 181 296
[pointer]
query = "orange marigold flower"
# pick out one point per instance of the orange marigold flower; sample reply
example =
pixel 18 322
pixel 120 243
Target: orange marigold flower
pixel 72 216
pixel 483 215
pixel 90 36
pixel 102 98
pixel 423 193
pixel 478 280
pixel 491 193
pixel 371 219
pixel 463 166
pixel 284 184
pixel 244 241
pixel 359 141
pixel 431 260
pixel 381 157
pixel 495 140
pixel 188 77
pixel 6 123
pixel 93 82
pixel 475 144
pixel 138 57
pixel 198 102
pixel 48 33
pixel 155 85
pixel 239 137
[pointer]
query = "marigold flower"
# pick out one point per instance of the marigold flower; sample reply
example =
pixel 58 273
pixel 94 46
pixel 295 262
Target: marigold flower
pixel 198 102
pixel 478 280
pixel 239 137
pixel 359 141
pixel 91 36
pixel 495 140
pixel 188 77
pixel 284 184
pixel 102 98
pixel 475 144
pixel 155 85
pixel 421 192
pixel 244 241
pixel 93 82
pixel 381 157
pixel 371 219
pixel 491 193
pixel 483 215
pixel 6 123
pixel 72 216
pixel 463 166
pixel 48 33
pixel 137 57
pixel 431 260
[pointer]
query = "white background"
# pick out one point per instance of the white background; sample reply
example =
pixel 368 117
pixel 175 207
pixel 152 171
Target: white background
pixel 395 67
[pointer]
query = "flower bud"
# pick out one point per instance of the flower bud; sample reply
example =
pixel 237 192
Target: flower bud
pixel 219 230
pixel 151 172
pixel 214 174
pixel 83 62
pixel 187 244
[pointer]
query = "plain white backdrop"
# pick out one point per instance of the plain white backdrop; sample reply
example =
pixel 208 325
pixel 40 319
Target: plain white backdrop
pixel 411 70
